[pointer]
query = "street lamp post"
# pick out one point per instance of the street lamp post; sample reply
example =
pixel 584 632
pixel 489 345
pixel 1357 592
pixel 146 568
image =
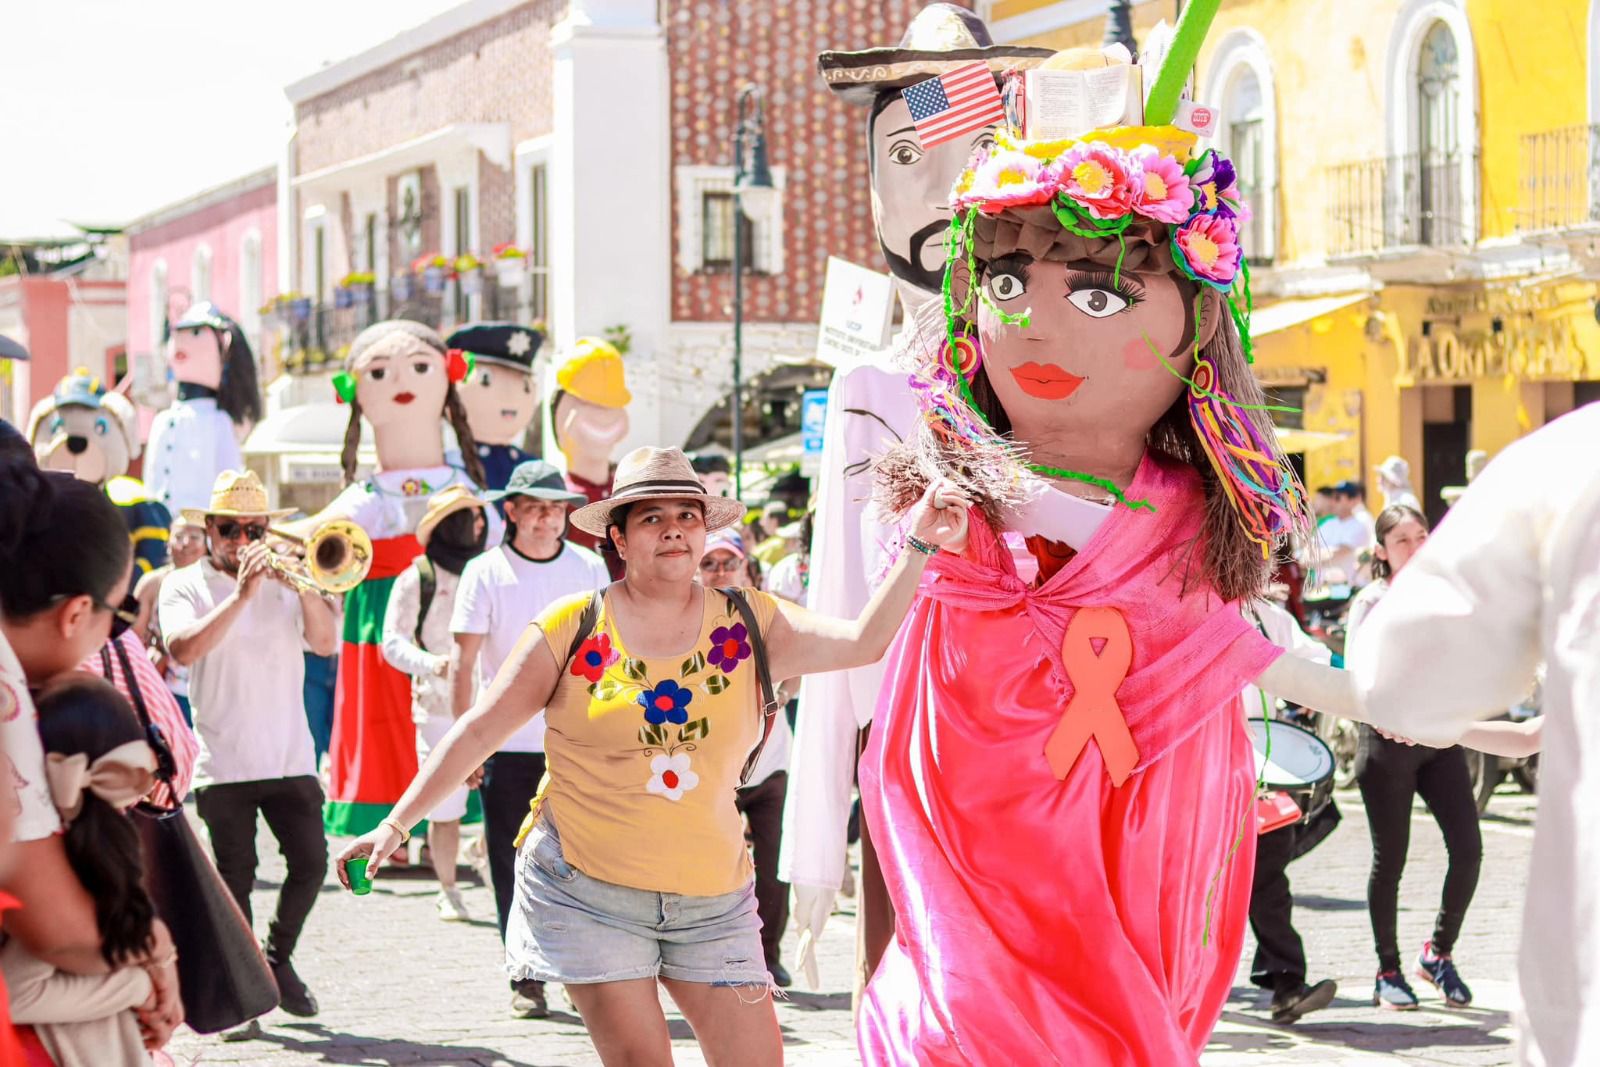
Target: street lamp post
pixel 753 194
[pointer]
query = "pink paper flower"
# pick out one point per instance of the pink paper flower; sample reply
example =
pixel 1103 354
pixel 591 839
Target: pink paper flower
pixel 1207 249
pixel 1095 176
pixel 1160 189
pixel 1004 179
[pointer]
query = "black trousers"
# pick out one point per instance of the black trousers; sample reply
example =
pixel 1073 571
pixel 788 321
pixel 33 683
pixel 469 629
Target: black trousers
pixel 510 781
pixel 1390 774
pixel 293 810
pixel 1280 960
pixel 762 805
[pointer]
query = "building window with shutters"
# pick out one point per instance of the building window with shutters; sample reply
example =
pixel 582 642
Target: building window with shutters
pixel 704 199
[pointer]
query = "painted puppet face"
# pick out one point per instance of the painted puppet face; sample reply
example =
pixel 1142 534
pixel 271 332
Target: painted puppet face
pixel 911 194
pixel 197 356
pixel 401 383
pixel 500 402
pixel 585 429
pixel 1095 346
pixel 86 442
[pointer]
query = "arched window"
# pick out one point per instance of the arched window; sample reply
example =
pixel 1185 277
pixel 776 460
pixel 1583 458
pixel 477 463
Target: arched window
pixel 158 305
pixel 1240 83
pixel 200 276
pixel 1438 138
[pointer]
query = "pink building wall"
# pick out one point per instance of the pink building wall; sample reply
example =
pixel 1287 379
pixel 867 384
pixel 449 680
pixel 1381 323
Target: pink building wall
pixel 221 220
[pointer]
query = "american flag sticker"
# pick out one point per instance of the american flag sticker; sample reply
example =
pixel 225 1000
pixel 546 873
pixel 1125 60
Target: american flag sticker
pixel 959 102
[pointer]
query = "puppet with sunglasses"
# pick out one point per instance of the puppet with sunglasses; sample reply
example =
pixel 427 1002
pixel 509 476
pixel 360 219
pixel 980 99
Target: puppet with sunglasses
pixel 402 379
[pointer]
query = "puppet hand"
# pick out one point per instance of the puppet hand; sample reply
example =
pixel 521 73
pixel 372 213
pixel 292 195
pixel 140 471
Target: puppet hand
pixel 940 518
pixel 812 906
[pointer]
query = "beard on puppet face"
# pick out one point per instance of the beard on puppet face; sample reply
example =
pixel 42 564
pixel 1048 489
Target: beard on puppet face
pixel 911 268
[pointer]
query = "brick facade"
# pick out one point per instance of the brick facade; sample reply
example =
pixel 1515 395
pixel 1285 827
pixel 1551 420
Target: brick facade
pixel 716 47
pixel 497 71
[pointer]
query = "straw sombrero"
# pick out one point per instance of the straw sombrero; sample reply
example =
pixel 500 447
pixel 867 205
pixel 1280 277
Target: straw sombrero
pixel 656 474
pixel 235 494
pixel 445 503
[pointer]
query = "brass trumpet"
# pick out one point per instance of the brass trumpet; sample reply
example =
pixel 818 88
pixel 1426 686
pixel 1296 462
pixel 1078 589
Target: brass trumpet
pixel 338 557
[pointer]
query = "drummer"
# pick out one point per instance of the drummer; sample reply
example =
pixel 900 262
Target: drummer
pixel 1280 959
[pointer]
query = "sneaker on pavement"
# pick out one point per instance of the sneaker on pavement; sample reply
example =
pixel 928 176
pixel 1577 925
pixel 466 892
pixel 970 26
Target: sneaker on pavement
pixel 527 1000
pixel 452 909
pixel 1440 972
pixel 1288 1005
pixel 250 1031
pixel 293 996
pixel 1392 993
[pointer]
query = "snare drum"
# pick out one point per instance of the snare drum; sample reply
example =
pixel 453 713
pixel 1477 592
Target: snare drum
pixel 1297 762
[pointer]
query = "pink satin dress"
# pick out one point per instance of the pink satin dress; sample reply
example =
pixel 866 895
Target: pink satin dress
pixel 1062 921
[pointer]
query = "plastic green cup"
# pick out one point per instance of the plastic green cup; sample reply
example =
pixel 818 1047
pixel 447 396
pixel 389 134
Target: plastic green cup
pixel 356 870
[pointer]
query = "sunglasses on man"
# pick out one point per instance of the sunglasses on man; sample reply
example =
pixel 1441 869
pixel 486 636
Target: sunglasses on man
pixel 229 530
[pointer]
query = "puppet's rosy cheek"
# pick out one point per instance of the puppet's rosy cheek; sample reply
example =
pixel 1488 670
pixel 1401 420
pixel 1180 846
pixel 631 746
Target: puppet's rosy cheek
pixel 1138 355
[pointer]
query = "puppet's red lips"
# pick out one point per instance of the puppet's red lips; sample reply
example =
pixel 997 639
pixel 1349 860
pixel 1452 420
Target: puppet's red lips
pixel 404 398
pixel 1046 380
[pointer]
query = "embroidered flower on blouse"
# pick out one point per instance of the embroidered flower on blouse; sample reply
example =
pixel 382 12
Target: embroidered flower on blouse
pixel 671 776
pixel 729 645
pixel 594 656
pixel 415 487
pixel 666 702
pixel 10 706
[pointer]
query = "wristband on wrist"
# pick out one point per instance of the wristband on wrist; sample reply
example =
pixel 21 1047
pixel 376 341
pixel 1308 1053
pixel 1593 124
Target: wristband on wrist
pixel 405 835
pixel 920 545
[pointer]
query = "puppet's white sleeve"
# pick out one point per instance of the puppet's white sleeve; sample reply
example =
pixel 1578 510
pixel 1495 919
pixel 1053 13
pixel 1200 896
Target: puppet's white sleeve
pixel 868 409
pixel 230 457
pixel 1458 635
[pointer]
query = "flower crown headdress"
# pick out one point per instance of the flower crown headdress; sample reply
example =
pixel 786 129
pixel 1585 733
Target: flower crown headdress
pixel 1108 184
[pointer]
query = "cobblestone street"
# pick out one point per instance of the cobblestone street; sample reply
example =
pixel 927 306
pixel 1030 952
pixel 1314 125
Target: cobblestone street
pixel 398 986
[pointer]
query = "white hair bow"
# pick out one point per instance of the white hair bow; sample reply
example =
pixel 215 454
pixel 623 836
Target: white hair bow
pixel 119 777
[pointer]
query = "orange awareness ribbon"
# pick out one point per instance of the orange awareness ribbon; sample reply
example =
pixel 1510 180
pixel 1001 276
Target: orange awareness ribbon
pixel 1093 710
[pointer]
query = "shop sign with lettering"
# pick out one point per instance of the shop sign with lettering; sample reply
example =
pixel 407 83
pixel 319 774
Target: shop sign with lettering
pixel 1533 350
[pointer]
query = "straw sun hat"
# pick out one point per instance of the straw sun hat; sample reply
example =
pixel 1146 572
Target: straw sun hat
pixel 445 503
pixel 656 474
pixel 236 494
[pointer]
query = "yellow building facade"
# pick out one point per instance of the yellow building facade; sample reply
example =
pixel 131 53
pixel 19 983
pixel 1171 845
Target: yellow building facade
pixel 1425 176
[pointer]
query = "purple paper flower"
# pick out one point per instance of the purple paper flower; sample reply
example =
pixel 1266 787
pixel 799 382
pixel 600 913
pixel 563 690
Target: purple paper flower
pixel 1216 187
pixel 666 702
pixel 729 646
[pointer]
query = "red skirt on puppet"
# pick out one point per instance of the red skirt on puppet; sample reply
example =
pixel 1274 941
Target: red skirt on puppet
pixel 1045 920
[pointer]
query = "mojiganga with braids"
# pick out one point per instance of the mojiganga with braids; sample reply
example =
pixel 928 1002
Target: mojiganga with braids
pixel 1086 379
pixel 400 379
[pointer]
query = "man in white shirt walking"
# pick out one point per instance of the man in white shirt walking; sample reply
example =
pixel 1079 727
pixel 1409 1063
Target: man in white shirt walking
pixel 501 592
pixel 239 627
pixel 1345 536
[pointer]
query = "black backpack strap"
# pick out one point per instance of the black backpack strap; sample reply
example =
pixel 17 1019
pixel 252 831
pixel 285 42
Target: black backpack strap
pixel 428 580
pixel 166 763
pixel 758 649
pixel 586 624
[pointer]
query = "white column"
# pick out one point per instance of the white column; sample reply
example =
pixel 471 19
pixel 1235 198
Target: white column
pixel 611 189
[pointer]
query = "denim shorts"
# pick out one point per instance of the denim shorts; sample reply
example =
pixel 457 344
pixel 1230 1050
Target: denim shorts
pixel 567 927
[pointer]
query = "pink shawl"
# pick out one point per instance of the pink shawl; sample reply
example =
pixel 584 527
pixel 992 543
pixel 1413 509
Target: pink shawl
pixel 1044 920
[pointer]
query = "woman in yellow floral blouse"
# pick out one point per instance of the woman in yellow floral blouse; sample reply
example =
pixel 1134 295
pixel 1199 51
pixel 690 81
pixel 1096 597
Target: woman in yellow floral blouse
pixel 633 869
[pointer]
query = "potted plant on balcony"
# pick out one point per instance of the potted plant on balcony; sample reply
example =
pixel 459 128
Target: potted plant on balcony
pixel 434 269
pixel 297 305
pixel 510 264
pixel 356 289
pixel 402 287
pixel 469 269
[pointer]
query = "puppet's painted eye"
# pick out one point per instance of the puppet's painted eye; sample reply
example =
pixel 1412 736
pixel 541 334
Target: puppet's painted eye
pixel 1097 303
pixel 1005 287
pixel 101 426
pixel 422 366
pixel 484 379
pixel 378 374
pixel 904 152
pixel 57 424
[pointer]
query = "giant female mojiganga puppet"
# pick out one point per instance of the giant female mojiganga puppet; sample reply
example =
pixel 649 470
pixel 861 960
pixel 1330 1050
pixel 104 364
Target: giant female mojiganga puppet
pixel 1058 781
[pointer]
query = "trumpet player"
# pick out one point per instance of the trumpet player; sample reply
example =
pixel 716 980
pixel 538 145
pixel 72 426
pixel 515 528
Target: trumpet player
pixel 239 623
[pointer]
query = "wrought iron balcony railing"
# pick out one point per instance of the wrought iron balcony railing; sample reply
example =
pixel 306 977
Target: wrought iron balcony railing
pixel 1422 199
pixel 310 337
pixel 1560 179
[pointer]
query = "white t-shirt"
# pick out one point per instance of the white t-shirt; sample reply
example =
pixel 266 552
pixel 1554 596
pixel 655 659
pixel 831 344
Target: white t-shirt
pixel 30 801
pixel 501 592
pixel 246 693
pixel 1343 541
